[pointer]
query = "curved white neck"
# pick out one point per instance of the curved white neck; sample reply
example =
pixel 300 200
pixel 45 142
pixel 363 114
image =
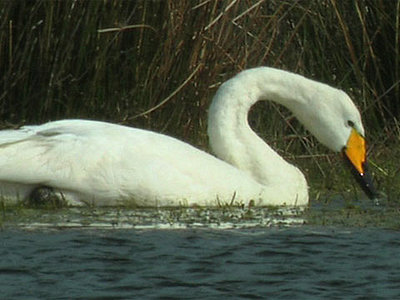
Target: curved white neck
pixel 231 137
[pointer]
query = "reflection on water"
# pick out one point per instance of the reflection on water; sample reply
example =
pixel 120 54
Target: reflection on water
pixel 191 253
pixel 333 211
pixel 163 218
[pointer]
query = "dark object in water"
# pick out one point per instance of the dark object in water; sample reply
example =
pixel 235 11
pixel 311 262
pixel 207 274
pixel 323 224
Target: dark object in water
pixel 44 196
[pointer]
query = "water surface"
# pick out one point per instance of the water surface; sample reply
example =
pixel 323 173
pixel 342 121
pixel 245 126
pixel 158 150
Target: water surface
pixel 201 253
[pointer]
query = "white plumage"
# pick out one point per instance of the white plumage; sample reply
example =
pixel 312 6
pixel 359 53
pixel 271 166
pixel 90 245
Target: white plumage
pixel 101 163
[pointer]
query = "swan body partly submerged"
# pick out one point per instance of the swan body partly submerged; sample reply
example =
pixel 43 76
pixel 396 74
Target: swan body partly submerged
pixel 99 163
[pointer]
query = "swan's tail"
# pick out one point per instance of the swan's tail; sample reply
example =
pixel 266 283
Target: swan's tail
pixel 13 136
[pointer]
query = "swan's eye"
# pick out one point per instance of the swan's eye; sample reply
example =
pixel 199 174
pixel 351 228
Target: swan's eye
pixel 350 123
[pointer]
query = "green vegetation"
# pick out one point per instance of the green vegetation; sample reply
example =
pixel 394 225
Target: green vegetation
pixel 156 65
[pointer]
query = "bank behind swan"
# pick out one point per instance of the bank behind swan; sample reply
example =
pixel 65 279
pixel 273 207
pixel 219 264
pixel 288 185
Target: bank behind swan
pixel 98 163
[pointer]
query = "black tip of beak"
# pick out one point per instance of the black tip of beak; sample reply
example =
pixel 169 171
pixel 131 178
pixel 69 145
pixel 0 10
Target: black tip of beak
pixel 364 180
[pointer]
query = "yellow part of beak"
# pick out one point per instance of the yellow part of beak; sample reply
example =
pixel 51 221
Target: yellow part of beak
pixel 356 151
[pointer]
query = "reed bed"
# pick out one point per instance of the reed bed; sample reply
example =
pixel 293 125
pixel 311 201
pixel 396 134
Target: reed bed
pixel 156 65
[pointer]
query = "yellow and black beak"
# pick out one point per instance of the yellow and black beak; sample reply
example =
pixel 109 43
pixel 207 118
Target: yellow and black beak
pixel 356 155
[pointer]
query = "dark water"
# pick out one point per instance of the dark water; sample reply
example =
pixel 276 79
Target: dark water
pixel 302 262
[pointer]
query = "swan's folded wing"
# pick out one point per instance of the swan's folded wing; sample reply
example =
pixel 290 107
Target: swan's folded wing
pixel 107 161
pixel 30 158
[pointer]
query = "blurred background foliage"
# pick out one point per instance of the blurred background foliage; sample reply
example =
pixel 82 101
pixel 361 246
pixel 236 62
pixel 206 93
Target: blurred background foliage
pixel 157 64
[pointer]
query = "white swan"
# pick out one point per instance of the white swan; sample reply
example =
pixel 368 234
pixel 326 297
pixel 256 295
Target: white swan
pixel 107 164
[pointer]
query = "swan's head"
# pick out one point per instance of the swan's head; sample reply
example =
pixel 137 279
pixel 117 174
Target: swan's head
pixel 332 117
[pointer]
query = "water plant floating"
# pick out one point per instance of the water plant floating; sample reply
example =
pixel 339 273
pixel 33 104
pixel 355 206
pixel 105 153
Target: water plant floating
pixel 99 163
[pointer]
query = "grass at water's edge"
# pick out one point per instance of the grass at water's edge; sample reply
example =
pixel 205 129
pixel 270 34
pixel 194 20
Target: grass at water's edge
pixel 149 218
pixel 340 209
pixel 360 215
